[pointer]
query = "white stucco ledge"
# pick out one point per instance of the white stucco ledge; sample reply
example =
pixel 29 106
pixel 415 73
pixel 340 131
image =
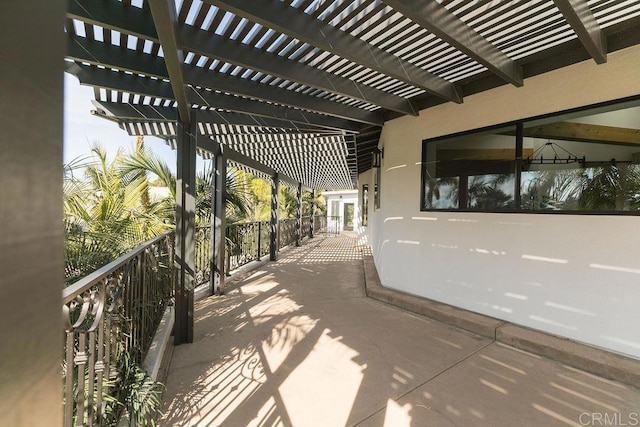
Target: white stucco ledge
pixel 473 322
pixel 591 359
pixel 156 352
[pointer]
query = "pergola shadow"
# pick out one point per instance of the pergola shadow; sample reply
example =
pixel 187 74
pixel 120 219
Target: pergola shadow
pixel 297 342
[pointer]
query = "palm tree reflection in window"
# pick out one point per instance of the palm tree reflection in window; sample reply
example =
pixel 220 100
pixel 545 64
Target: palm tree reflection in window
pixel 442 193
pixel 491 192
pixel 606 187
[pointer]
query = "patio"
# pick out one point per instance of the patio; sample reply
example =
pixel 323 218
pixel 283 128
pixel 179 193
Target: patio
pixel 297 342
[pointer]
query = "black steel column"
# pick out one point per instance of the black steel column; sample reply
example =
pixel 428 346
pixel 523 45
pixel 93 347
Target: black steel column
pixel 185 233
pixel 218 222
pixel 299 215
pixel 312 209
pixel 273 244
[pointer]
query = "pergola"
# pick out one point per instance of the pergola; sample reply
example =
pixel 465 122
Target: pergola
pixel 304 86
pixel 299 89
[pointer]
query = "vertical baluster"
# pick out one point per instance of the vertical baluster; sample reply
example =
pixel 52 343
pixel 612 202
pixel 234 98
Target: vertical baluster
pixel 100 362
pixel 91 383
pixel 69 397
pixel 128 284
pixel 80 361
pixel 259 237
pixel 142 303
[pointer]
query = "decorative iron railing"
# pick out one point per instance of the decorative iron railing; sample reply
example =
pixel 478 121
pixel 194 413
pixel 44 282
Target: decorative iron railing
pixel 246 242
pixel 113 311
pixel 319 223
pixel 326 224
pixel 286 232
pixel 333 225
pixel 306 226
pixel 203 254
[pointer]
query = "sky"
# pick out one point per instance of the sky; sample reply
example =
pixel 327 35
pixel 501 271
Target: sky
pixel 81 128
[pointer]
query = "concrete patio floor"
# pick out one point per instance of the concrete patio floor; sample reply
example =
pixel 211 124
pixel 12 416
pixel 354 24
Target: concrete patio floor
pixel 298 343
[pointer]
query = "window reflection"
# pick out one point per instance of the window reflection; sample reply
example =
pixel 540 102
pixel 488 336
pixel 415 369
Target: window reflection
pixel 582 161
pixel 475 172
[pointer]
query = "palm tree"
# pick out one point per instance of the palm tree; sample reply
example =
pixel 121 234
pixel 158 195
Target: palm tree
pixel 237 197
pixel 108 211
pixel 104 215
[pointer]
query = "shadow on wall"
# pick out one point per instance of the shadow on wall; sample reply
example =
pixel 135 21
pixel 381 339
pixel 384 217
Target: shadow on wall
pixel 508 268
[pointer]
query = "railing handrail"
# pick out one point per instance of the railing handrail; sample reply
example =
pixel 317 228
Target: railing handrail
pixel 69 293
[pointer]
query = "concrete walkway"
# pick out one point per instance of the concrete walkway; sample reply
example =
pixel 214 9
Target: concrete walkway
pixel 297 343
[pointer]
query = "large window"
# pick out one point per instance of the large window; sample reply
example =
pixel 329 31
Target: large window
pixel 376 188
pixel 365 205
pixel 587 161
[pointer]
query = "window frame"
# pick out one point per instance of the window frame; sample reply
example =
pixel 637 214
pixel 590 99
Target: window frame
pixel 365 205
pixel 619 104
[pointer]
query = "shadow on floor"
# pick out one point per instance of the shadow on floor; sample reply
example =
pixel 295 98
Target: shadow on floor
pixel 297 343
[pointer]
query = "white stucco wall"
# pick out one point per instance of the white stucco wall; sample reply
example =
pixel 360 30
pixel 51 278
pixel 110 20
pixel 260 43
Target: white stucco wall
pixel 342 197
pixel 576 276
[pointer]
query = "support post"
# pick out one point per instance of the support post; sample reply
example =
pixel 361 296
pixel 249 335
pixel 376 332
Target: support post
pixel 299 215
pixel 218 222
pixel 185 233
pixel 312 210
pixel 273 244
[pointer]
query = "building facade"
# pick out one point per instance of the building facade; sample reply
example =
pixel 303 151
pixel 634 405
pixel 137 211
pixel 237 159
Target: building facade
pixel 573 271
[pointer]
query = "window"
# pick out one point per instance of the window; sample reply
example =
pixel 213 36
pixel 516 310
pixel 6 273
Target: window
pixel 365 204
pixel 475 172
pixel 580 161
pixel 376 189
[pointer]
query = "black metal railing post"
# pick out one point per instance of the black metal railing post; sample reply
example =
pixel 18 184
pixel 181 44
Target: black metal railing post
pixel 259 237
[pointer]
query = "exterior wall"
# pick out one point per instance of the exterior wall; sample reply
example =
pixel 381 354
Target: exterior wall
pixel 576 276
pixel 342 197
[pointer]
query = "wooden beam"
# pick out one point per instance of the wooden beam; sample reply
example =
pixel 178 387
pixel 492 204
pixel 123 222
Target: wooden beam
pixel 165 19
pixel 584 24
pixel 438 20
pixel 570 131
pixel 294 22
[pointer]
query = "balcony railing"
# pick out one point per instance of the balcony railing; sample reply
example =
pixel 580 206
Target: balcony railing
pixel 326 224
pixel 245 243
pixel 110 316
pixel 248 242
pixel 286 232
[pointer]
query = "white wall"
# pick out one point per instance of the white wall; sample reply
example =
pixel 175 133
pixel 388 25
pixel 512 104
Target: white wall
pixel 576 276
pixel 343 197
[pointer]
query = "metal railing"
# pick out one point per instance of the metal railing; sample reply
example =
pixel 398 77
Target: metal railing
pixel 245 242
pixel 113 311
pixel 117 309
pixel 306 226
pixel 203 254
pixel 286 232
pixel 326 224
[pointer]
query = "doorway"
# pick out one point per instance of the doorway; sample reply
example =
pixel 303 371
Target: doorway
pixel 348 216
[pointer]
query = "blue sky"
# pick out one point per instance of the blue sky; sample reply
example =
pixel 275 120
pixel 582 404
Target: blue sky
pixel 81 128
